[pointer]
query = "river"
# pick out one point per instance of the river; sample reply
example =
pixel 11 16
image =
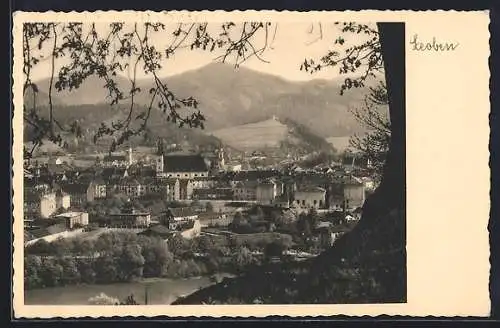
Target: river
pixel 160 291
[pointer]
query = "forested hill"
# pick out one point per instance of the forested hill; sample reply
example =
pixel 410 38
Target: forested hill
pixel 229 97
pixel 90 117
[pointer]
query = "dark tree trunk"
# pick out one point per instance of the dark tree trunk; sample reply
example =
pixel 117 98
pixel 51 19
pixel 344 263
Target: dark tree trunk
pixel 391 193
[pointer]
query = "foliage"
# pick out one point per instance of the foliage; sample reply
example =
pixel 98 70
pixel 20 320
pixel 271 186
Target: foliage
pixel 365 57
pixel 375 144
pixel 124 48
pixel 122 257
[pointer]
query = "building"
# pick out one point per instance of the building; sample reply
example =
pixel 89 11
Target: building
pixel 174 217
pixel 48 205
pixel 171 189
pixel 354 192
pixel 267 192
pixel 130 187
pixel 77 191
pixel 115 161
pixel 96 190
pixel 221 193
pixel 181 166
pixel 75 219
pixel 245 190
pixel 215 219
pixel 128 218
pixel 204 182
pixel 310 197
pixel 40 204
pixel 63 200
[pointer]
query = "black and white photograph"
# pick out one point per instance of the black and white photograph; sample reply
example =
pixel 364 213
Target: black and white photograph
pixel 208 162
pixel 213 163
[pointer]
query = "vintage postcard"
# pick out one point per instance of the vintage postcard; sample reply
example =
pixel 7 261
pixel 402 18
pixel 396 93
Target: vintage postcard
pixel 251 163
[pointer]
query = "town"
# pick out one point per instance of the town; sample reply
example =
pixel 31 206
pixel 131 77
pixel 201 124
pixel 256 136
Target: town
pixel 192 198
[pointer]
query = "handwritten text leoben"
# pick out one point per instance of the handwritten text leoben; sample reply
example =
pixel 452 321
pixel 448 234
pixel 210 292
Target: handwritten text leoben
pixel 433 45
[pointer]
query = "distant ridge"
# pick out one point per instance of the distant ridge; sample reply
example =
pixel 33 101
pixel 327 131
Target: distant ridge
pixel 228 97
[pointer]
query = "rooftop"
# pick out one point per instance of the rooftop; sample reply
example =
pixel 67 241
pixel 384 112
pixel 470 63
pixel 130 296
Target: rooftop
pixel 112 158
pixel 70 214
pixel 184 163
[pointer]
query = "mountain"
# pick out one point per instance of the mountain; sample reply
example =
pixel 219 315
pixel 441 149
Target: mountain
pixel 41 99
pixel 228 97
pixel 90 117
pixel 271 134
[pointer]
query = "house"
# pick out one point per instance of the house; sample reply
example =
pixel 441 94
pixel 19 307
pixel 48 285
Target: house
pixel 171 188
pixel 63 200
pixel 115 161
pixel 42 204
pixel 221 193
pixel 129 218
pixel 75 219
pixel 215 219
pixel 183 166
pixel 152 186
pixel 245 190
pixel 346 193
pixel 310 197
pixel 266 192
pixel 185 190
pixel 96 190
pixel 204 182
pixel 130 187
pixel 173 217
pixel 33 204
pixel 56 161
pixel 77 191
pixel 354 192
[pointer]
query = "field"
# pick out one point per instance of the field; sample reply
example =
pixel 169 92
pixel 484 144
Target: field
pixel 253 136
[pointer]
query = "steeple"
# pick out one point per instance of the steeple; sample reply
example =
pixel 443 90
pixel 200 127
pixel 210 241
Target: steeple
pixel 130 155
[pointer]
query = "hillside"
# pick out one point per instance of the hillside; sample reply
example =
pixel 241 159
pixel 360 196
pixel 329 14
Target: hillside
pixel 91 116
pixel 339 143
pixel 229 97
pixel 272 133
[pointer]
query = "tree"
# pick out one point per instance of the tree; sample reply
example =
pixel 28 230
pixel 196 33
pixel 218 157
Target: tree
pixel 209 207
pixel 176 244
pixel 41 247
pixel 89 53
pixel 364 60
pixel 32 267
pixel 374 145
pixel 157 256
pixel 130 262
pixel 51 272
pixel 243 258
pixel 70 274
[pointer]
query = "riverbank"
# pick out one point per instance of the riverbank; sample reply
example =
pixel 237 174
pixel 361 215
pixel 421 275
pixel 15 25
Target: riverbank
pixel 160 291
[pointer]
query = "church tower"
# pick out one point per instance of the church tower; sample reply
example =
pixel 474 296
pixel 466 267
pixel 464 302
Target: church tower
pixel 220 158
pixel 130 155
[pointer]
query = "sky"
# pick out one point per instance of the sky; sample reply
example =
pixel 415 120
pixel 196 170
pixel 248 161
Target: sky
pixel 293 42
